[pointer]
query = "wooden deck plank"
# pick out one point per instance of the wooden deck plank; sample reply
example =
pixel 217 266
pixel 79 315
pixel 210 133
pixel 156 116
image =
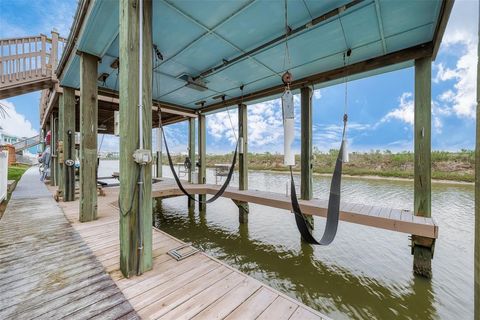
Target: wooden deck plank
pixel 254 305
pixel 46 268
pixel 280 309
pixel 163 289
pixel 174 299
pixel 303 314
pixel 202 300
pixel 350 212
pixel 229 302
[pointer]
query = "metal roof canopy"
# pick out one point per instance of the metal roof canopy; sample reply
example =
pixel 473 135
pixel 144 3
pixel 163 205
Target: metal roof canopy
pixel 228 44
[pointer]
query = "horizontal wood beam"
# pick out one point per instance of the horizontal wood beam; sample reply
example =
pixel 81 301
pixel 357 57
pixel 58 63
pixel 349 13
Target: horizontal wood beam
pixel 373 216
pixel 420 51
pixel 445 11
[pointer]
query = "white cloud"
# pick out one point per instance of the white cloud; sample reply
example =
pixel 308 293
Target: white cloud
pixel 404 111
pixel 460 40
pixel 15 123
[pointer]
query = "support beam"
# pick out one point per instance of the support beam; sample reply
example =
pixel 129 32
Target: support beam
pixel 67 104
pixel 59 151
pixel 476 270
pixel 306 167
pixel 88 137
pixel 135 218
pixel 243 160
pixel 159 164
pixel 202 154
pixel 53 146
pixel 422 248
pixel 191 155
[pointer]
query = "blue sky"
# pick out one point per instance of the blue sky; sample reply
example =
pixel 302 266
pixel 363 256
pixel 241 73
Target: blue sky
pixel 380 107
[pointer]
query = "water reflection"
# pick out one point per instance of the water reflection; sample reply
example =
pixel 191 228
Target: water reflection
pixel 331 289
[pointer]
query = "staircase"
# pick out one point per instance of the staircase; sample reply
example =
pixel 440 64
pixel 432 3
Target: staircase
pixel 28 64
pixel 27 143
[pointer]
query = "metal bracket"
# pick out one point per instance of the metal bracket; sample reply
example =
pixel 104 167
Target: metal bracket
pixel 184 251
pixel 242 205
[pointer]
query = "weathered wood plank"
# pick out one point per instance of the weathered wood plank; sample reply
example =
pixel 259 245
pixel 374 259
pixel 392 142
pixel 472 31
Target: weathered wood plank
pixel 88 137
pixel 254 305
pixel 135 223
pixel 226 304
pixel 280 309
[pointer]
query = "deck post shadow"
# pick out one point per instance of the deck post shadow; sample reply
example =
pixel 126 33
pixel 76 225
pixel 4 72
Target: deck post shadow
pixel 135 220
pixel 422 248
pixel 306 166
pixel 88 136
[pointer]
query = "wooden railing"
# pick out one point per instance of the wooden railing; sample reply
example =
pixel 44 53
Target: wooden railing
pixel 27 143
pixel 28 64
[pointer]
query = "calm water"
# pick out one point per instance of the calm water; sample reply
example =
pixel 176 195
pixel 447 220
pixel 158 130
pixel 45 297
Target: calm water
pixel 365 274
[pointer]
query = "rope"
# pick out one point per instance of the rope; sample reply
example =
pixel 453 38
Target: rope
pixel 286 58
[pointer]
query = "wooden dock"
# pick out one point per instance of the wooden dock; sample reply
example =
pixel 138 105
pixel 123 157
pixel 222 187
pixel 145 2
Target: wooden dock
pixel 198 287
pixel 53 266
pixel 398 220
pixel 46 268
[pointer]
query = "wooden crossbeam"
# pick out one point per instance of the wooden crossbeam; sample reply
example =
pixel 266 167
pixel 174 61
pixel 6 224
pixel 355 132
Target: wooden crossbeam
pixel 373 216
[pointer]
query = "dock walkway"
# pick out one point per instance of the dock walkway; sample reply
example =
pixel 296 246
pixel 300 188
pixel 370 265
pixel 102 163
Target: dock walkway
pixel 198 287
pixel 52 266
pixel 47 270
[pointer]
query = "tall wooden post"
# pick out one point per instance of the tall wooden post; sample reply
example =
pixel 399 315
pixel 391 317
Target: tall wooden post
pixel 191 154
pixel 135 220
pixel 242 161
pixel 53 150
pixel 59 152
pixel 54 52
pixel 88 137
pixel 159 163
pixel 202 154
pixel 67 119
pixel 422 248
pixel 306 181
pixel 476 268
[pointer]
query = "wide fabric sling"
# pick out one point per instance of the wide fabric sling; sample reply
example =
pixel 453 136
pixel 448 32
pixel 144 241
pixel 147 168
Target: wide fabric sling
pixel 182 188
pixel 333 211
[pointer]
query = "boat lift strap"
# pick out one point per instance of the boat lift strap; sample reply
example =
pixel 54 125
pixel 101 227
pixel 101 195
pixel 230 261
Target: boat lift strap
pixel 182 188
pixel 333 211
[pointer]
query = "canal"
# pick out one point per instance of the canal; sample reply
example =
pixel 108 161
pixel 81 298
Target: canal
pixel 365 274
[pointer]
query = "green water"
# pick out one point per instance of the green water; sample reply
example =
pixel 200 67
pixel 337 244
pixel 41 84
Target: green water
pixel 365 274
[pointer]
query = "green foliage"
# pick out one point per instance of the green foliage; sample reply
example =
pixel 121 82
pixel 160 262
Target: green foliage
pixel 458 166
pixel 16 171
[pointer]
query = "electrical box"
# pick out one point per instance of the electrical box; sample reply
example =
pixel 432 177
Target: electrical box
pixel 116 123
pixel 142 156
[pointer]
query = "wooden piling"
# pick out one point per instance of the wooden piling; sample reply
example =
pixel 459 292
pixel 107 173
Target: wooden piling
pixel 130 253
pixel 67 104
pixel 159 169
pixel 191 154
pixel 202 154
pixel 59 152
pixel 306 167
pixel 476 270
pixel 422 248
pixel 243 208
pixel 88 137
pixel 53 150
